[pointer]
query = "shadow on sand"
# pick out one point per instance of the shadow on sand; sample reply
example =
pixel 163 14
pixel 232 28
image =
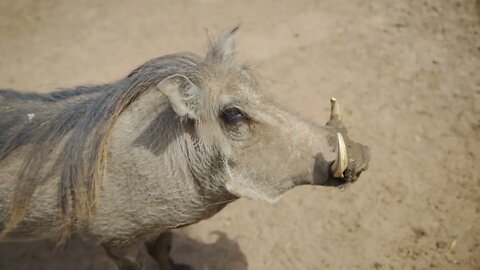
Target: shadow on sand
pixel 224 253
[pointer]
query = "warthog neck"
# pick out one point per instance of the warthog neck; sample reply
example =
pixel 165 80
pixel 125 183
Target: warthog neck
pixel 149 177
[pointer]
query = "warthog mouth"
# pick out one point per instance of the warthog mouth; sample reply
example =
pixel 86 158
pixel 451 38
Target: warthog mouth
pixel 350 175
pixel 354 168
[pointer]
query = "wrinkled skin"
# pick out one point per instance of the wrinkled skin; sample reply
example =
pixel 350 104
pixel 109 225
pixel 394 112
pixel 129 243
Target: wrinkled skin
pixel 186 147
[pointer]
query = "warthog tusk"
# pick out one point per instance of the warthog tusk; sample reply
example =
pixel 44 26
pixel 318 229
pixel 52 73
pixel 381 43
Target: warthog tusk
pixel 341 158
pixel 334 110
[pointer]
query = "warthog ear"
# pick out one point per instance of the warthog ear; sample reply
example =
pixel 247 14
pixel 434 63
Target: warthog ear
pixel 223 50
pixel 182 94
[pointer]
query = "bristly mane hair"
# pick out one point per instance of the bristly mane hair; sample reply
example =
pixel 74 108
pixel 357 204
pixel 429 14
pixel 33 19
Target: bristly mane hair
pixel 84 125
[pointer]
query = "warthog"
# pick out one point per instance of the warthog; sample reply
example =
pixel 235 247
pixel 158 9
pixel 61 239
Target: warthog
pixel 167 146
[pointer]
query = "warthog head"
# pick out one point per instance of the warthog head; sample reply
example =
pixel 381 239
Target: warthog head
pixel 256 148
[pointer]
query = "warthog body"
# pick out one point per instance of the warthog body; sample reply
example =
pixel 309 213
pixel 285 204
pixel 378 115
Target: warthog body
pixel 169 145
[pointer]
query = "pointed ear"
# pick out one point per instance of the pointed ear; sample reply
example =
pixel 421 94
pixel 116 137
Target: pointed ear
pixel 182 94
pixel 224 49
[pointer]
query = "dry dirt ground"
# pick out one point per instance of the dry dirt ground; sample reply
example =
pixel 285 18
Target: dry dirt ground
pixel 406 72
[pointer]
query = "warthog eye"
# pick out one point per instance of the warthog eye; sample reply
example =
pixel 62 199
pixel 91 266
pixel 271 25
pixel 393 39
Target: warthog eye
pixel 232 115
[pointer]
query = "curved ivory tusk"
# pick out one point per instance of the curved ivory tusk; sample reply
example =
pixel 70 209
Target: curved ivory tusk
pixel 334 110
pixel 341 158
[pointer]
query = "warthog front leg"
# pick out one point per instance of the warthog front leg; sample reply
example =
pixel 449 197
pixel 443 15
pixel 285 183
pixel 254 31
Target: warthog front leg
pixel 125 257
pixel 160 252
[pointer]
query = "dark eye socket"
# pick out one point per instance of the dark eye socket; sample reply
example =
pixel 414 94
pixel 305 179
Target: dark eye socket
pixel 232 115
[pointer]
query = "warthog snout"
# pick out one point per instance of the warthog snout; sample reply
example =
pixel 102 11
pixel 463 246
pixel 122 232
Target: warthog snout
pixel 351 158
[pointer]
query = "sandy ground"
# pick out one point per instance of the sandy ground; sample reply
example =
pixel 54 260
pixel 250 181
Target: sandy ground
pixel 406 73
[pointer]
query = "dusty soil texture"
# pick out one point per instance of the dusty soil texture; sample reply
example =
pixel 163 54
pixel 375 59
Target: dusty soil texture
pixel 407 74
